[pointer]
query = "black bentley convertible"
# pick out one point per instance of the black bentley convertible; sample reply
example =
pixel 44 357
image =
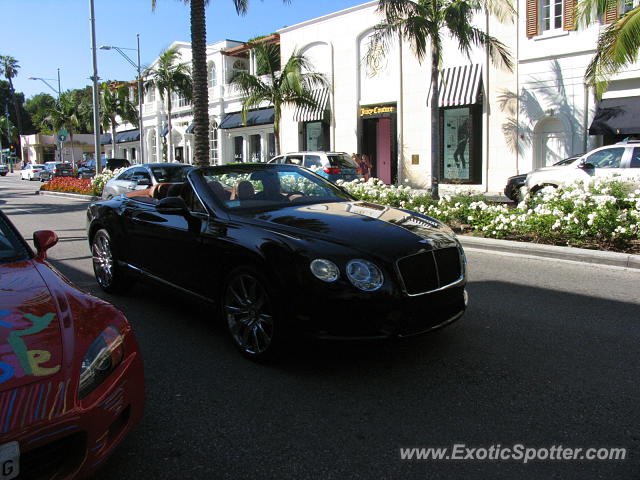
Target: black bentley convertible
pixel 278 250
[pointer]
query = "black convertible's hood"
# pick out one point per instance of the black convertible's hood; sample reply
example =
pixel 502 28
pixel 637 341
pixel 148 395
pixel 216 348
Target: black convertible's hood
pixel 385 231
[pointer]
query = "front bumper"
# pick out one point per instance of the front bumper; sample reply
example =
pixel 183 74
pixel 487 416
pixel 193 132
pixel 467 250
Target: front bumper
pixel 382 315
pixel 72 437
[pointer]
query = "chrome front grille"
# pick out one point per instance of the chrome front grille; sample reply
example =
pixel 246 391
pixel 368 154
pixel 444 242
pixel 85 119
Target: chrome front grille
pixel 428 271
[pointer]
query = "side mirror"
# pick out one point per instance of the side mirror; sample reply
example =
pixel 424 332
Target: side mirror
pixel 586 166
pixel 172 206
pixel 44 240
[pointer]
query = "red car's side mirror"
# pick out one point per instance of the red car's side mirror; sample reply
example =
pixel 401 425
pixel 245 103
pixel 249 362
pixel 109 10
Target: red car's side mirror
pixel 44 240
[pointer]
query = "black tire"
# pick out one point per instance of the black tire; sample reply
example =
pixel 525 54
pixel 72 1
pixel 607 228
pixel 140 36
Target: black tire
pixel 109 275
pixel 252 314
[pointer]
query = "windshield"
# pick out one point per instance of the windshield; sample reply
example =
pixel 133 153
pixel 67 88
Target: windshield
pixel 11 248
pixel 242 188
pixel 171 174
pixel 342 161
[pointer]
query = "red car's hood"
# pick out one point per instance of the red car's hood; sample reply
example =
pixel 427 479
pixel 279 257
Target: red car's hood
pixel 30 333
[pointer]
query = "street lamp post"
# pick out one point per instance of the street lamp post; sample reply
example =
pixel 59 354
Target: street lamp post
pixel 58 91
pixel 140 95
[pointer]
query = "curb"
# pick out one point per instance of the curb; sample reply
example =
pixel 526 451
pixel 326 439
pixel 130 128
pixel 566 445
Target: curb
pixel 75 196
pixel 625 260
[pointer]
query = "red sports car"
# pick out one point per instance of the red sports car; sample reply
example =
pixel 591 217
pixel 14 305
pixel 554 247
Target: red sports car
pixel 71 376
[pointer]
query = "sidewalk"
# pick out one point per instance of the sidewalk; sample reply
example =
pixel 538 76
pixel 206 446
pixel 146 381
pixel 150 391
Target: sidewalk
pixel 584 255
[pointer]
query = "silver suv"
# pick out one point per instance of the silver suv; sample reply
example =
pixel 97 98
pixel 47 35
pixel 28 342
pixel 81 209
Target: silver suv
pixel 620 160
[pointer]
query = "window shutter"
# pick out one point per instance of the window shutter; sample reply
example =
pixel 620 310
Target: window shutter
pixel 612 13
pixel 568 7
pixel 532 18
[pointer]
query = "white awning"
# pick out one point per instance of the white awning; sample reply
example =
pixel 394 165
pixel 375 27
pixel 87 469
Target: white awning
pixel 459 85
pixel 309 114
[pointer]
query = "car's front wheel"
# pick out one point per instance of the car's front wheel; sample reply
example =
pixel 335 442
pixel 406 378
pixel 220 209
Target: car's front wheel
pixel 250 311
pixel 108 275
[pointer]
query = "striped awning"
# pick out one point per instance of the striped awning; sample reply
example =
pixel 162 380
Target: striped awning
pixel 459 85
pixel 309 114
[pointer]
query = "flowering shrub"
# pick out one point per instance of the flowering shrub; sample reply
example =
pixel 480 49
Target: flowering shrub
pixel 100 180
pixel 598 214
pixel 69 185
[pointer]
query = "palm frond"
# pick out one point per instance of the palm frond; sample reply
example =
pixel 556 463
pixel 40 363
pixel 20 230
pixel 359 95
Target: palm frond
pixel 498 51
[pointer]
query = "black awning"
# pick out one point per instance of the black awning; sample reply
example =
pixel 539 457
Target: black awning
pixel 128 136
pixel 105 139
pixel 254 117
pixel 191 128
pixel 617 116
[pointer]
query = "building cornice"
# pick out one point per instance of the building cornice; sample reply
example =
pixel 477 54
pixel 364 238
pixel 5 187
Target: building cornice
pixel 328 16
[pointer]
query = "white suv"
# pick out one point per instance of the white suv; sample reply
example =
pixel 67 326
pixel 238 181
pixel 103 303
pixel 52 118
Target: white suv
pixel 620 160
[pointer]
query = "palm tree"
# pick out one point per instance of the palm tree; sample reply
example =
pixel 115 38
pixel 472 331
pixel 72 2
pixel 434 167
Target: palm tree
pixel 199 70
pixel 114 104
pixel 71 113
pixel 9 69
pixel 618 43
pixel 424 24
pixel 293 85
pixel 170 77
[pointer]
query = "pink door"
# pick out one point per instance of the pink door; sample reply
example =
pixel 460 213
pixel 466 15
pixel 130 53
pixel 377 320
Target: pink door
pixel 383 150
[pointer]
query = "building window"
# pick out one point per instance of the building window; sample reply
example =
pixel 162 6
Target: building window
pixel 238 149
pixel 213 144
pixel 316 136
pixel 255 148
pixel 550 15
pixel 461 140
pixel 628 5
pixel 179 100
pixel 151 95
pixel 153 146
pixel 272 145
pixel 212 74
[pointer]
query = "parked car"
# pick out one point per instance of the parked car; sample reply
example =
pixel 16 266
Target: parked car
pixel 88 169
pixel 331 165
pixel 31 171
pixel 281 250
pixel 513 189
pixel 4 169
pixel 55 169
pixel 71 376
pixel 141 177
pixel 620 159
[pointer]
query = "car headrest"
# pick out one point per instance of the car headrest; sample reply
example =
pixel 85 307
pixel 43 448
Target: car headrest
pixel 243 190
pixel 160 190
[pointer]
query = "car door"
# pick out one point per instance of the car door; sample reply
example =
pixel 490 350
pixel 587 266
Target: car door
pixel 123 183
pixel 167 245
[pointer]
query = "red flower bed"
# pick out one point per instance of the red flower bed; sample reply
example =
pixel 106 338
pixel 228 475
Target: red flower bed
pixel 69 185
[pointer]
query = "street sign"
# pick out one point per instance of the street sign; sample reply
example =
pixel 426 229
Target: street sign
pixel 63 134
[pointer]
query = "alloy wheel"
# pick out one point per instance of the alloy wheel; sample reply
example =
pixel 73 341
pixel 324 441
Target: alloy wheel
pixel 102 259
pixel 249 314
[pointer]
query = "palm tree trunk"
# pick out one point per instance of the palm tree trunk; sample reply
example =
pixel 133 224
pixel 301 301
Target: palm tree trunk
pixel 169 141
pixel 113 138
pixel 276 129
pixel 200 87
pixel 18 116
pixel 73 157
pixel 435 121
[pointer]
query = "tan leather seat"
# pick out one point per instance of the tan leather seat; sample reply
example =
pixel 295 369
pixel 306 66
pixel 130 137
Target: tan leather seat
pixel 160 190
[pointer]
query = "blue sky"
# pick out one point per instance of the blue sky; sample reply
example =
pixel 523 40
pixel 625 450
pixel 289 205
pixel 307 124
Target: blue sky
pixel 44 35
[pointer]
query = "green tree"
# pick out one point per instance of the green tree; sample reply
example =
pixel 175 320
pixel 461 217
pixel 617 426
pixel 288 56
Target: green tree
pixel 38 108
pixel 425 24
pixel 618 43
pixel 71 112
pixel 292 86
pixel 115 105
pixel 169 77
pixel 9 69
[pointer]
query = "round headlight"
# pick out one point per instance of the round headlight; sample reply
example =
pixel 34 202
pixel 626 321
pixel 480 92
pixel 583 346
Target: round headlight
pixel 365 275
pixel 325 270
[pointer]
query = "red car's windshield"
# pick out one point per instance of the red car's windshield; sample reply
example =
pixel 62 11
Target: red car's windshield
pixel 11 247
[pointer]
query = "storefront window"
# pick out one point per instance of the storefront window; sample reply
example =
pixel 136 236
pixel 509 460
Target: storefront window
pixel 213 143
pixel 316 136
pixel 461 133
pixel 255 148
pixel 272 146
pixel 238 149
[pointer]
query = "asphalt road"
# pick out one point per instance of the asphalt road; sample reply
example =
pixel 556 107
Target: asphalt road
pixel 546 355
